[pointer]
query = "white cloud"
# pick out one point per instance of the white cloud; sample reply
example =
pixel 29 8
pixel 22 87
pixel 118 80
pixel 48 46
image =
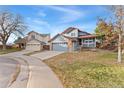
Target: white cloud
pixel 37 21
pixel 64 9
pixel 2 7
pixel 69 14
pixel 42 14
pixel 42 26
pixel 69 18
pixel 88 27
pixel 37 24
pixel 40 22
pixel 57 29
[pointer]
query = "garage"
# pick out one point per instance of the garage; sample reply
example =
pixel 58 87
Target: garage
pixel 35 47
pixel 60 46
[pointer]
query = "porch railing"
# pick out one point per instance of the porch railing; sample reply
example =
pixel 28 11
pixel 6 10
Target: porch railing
pixel 88 45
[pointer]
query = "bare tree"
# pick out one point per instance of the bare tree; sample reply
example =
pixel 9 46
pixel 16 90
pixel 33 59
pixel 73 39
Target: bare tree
pixel 115 24
pixel 10 24
pixel 118 12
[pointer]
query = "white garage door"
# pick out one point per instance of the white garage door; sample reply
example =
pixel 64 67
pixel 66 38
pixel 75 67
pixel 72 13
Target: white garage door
pixel 60 47
pixel 33 47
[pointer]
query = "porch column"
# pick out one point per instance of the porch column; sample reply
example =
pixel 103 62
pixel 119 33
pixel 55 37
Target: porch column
pixel 51 46
pixel 95 42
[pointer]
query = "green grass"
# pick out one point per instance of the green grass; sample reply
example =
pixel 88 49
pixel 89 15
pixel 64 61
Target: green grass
pixel 9 50
pixel 88 69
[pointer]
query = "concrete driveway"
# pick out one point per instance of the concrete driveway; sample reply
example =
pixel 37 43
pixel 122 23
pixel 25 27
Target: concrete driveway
pixel 47 54
pixel 33 72
pixel 8 69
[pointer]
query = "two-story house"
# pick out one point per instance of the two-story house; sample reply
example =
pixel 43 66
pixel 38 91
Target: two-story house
pixel 72 39
pixel 34 41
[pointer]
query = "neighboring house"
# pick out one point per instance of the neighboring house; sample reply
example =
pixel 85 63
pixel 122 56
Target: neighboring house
pixel 34 41
pixel 72 39
pixel 21 43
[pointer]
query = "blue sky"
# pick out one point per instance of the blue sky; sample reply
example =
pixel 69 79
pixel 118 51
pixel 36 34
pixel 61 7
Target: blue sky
pixel 55 19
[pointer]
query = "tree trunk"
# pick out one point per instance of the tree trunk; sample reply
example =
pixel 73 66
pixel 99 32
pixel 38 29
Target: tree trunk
pixel 119 49
pixel 4 46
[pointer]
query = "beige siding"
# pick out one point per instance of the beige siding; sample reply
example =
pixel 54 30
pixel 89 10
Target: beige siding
pixel 33 42
pixel 33 45
pixel 73 33
pixel 39 37
pixel 59 39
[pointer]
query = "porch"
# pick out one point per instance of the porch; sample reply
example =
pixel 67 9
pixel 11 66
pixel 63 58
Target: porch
pixel 88 41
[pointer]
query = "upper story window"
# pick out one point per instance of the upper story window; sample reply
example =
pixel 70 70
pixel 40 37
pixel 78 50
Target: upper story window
pixel 72 34
pixel 32 36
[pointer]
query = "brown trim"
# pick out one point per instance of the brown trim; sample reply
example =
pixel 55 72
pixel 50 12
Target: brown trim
pixel 87 36
pixel 73 28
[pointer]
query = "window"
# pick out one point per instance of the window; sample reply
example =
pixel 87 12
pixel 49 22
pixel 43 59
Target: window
pixel 88 43
pixel 32 36
pixel 61 39
pixel 72 34
pixel 85 41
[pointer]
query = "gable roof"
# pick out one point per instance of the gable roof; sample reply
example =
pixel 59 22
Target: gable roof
pixel 67 31
pixel 43 35
pixel 54 37
pixel 72 38
pixel 41 42
pixel 23 40
pixel 71 29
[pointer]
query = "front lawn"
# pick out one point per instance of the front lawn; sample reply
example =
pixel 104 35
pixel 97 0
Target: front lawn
pixel 88 69
pixel 9 50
